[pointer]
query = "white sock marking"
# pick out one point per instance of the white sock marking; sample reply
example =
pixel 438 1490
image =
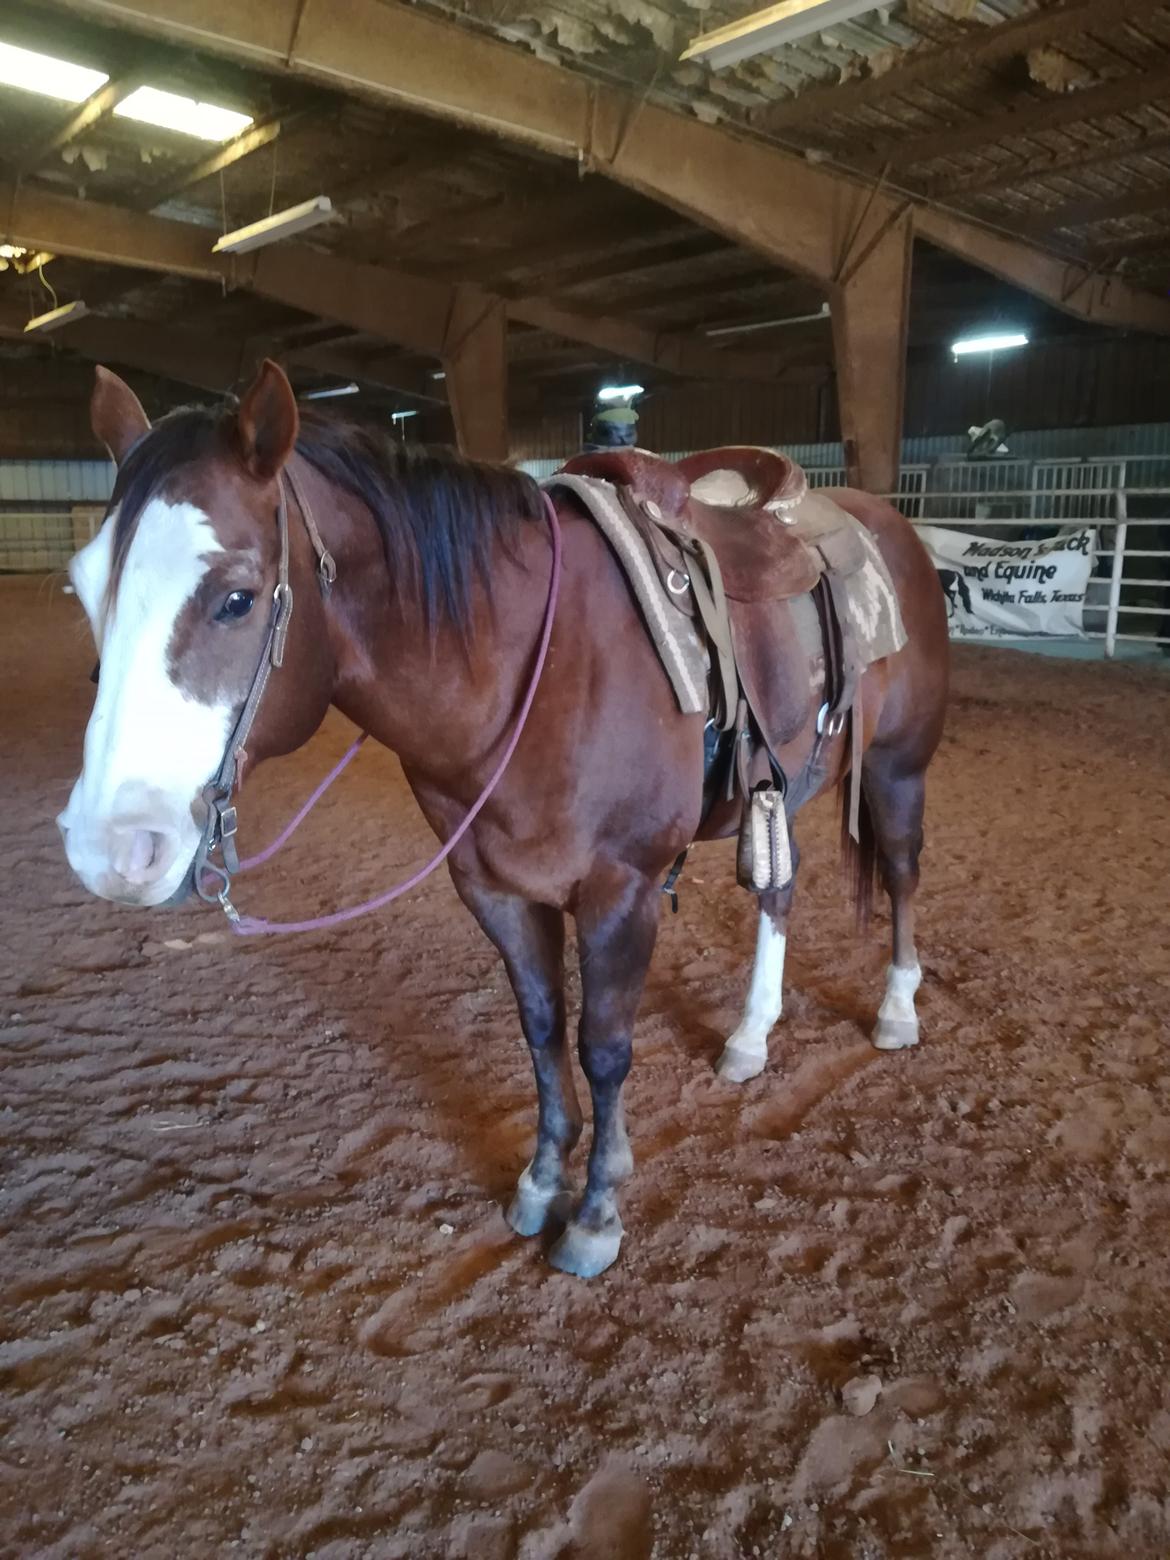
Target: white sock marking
pixel 765 999
pixel 901 985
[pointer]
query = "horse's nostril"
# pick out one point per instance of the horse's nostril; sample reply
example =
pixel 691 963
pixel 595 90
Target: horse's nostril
pixel 143 849
pixel 138 855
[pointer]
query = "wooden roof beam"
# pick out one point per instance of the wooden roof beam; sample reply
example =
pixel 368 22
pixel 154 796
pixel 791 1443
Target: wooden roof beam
pixel 630 264
pixel 185 356
pixel 412 311
pixel 96 107
pixel 1083 213
pixel 1073 286
pixel 1032 116
pixel 980 47
pixel 240 146
pixel 383 370
pixel 799 215
pixel 1118 251
pixel 674 352
pixel 1010 176
pixel 409 310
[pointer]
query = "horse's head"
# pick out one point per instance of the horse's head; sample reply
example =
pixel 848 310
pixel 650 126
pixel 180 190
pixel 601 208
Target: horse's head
pixel 178 588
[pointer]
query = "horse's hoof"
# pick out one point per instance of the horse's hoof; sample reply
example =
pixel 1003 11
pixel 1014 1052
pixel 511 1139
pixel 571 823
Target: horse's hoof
pixel 586 1253
pixel 737 1066
pixel 532 1209
pixel 895 1034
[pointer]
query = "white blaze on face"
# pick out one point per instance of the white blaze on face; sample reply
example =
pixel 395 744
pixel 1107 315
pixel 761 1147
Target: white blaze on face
pixel 149 747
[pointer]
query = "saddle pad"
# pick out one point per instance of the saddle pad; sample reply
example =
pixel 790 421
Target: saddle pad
pixel 852 553
pixel 874 610
pixel 672 632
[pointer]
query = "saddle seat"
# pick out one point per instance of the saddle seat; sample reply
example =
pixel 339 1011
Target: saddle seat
pixel 747 505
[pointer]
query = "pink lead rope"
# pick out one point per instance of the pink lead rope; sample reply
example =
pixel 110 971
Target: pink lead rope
pixel 252 926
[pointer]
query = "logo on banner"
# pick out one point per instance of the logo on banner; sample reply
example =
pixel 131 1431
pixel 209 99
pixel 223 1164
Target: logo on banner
pixel 1004 590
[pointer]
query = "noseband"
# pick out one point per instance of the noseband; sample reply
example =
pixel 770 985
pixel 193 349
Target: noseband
pixel 219 832
pixel 220 829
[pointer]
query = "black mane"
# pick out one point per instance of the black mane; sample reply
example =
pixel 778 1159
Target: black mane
pixel 438 514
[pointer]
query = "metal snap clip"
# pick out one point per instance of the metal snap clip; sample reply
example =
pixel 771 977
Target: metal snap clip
pixel 830 725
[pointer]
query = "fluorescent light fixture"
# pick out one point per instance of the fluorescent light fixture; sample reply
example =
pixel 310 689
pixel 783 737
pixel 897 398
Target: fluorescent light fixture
pixel 334 390
pixel 438 374
pixel 42 73
pixel 65 315
pixel 401 416
pixel 769 29
pixel 169 111
pixel 272 229
pixel 992 343
pixel 618 392
pixel 789 319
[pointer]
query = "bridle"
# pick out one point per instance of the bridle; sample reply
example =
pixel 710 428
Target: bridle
pixel 219 831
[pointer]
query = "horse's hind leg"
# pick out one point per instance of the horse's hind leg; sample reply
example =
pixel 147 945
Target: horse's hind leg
pixel 746 1052
pixel 531 939
pixel 616 929
pixel 896 803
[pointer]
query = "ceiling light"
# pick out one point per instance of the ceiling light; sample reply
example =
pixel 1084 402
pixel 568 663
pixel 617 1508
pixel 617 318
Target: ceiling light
pixel 65 315
pixel 333 390
pixel 437 374
pixel 994 343
pixel 618 392
pixel 269 231
pixel 769 29
pixel 401 416
pixel 51 78
pixel 789 319
pixel 169 111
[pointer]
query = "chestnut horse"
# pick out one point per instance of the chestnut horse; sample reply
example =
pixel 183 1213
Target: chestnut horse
pixel 427 641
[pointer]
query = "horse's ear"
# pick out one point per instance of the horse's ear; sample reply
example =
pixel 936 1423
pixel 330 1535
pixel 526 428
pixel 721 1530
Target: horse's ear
pixel 267 421
pixel 115 414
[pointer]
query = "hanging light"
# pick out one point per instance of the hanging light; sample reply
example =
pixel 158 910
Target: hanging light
pixel 991 343
pixel 270 230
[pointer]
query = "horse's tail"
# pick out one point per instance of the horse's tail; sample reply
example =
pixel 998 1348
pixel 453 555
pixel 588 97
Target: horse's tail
pixel 859 856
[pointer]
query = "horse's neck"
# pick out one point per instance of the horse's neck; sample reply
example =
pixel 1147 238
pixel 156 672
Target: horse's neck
pixel 436 701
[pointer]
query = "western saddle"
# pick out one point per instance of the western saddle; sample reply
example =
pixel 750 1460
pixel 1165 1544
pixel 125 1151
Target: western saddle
pixel 737 537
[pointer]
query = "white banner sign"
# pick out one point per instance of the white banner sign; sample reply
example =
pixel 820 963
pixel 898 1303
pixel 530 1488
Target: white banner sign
pixel 1000 590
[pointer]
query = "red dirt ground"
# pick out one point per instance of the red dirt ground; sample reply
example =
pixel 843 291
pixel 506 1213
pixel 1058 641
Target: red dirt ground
pixel 257 1295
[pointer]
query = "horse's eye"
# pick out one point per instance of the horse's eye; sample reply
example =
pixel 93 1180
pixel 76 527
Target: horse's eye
pixel 237 605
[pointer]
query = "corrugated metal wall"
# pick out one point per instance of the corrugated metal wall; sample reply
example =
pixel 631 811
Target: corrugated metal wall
pixel 55 481
pixel 1068 383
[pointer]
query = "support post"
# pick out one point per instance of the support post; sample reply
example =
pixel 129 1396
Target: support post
pixel 1118 570
pixel 475 359
pixel 870 310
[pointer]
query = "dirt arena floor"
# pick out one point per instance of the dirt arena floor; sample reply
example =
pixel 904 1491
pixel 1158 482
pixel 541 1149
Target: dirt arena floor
pixel 257 1295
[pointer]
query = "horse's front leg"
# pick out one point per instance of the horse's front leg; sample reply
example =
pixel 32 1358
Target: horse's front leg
pixel 531 940
pixel 616 929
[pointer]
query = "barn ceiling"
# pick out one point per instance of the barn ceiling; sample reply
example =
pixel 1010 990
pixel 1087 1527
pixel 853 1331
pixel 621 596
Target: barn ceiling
pixel 1042 121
